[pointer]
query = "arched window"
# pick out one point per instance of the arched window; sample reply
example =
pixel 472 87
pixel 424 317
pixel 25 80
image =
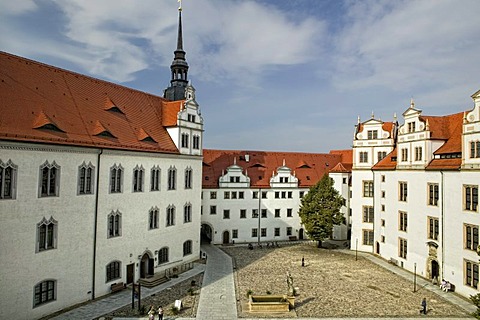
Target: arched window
pixel 49 179
pixel 85 178
pixel 170 215
pixel 188 178
pixel 8 177
pixel 44 292
pixel 138 173
pixel 113 270
pixel 184 140
pixel 153 218
pixel 187 213
pixel 163 255
pixel 114 224
pixel 155 179
pixel 46 234
pixel 116 179
pixel 187 247
pixel 172 178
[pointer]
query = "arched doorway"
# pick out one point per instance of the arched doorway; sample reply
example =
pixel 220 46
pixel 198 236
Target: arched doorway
pixel 226 237
pixel 206 233
pixel 435 270
pixel 146 266
pixel 300 234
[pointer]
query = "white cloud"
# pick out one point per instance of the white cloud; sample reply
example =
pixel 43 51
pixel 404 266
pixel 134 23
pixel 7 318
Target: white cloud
pixel 17 7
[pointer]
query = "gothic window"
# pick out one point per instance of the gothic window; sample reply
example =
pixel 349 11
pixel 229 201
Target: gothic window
pixel 187 213
pixel 47 234
pixel 172 178
pixel 170 215
pixel 153 216
pixel 49 179
pixel 85 178
pixel 188 178
pixel 116 179
pixel 114 221
pixel 155 179
pixel 138 174
pixel 8 176
pixel 187 247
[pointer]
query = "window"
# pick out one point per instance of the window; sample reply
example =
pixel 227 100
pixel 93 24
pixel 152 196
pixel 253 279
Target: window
pixel 363 157
pixel 404 154
pixel 372 134
pixel 402 194
pixel 114 224
pixel 471 237
pixel 243 213
pixel 50 179
pixel 264 232
pixel 402 248
pixel 44 292
pixel 172 178
pixel 255 195
pixel 471 197
pixel 284 194
pixel 368 189
pixel 290 194
pixel 368 214
pixel 234 179
pixel 382 222
pixel 471 274
pixel 402 221
pixel 187 247
pixel 226 195
pixel 277 213
pixel 289 212
pixel 264 194
pixel 85 178
pixel 155 179
pixel 188 178
pixel 289 231
pixel 433 194
pixel 170 215
pixel 277 194
pixel 235 234
pixel 113 270
pixel 383 178
pixel 381 155
pixel 187 213
pixel 226 214
pixel 254 232
pixel 191 118
pixel 383 194
pixel 163 255
pixel 474 149
pixel 138 173
pixel 254 213
pixel 47 234
pixel 196 142
pixel 264 213
pixel 277 232
pixel 116 179
pixel 241 194
pixel 213 195
pixel 383 207
pixel 234 195
pixel 213 209
pixel 367 237
pixel 301 194
pixel 433 228
pixel 153 215
pixel 8 176
pixel 184 140
pixel 382 239
pixel 411 127
pixel 418 153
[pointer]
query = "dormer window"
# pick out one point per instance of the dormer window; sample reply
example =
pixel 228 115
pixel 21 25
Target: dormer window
pixel 283 179
pixel 191 118
pixel 234 179
pixel 411 127
pixel 372 134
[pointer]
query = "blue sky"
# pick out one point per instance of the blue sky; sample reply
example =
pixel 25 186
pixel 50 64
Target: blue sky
pixel 279 75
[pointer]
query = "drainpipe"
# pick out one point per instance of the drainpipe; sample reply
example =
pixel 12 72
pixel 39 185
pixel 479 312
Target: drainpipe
pixel 97 191
pixel 442 214
pixel 374 213
pixel 259 206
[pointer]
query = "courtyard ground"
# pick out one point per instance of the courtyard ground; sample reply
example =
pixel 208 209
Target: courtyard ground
pixel 332 284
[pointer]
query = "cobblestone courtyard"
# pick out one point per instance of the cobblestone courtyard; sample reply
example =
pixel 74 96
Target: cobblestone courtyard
pixel 332 284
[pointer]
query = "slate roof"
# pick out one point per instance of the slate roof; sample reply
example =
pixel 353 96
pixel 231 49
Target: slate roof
pixel 44 104
pixel 309 168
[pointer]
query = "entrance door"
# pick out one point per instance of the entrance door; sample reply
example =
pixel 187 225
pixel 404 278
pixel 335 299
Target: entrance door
pixel 300 234
pixel 226 237
pixel 150 267
pixel 145 266
pixel 435 269
pixel 377 247
pixel 130 268
pixel 206 234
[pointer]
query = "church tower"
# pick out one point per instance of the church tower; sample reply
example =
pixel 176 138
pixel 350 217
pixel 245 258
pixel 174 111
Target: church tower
pixel 179 68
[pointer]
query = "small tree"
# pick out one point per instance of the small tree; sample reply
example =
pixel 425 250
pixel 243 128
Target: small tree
pixel 320 210
pixel 476 301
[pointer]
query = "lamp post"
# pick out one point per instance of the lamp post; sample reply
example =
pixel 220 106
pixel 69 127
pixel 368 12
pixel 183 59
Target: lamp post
pixel 356 249
pixel 415 277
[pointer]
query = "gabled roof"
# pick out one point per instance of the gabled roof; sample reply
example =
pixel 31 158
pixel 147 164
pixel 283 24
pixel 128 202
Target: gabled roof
pixel 261 165
pixel 387 163
pixel 36 96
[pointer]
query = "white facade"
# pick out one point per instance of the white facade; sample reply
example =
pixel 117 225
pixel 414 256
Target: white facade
pixel 425 199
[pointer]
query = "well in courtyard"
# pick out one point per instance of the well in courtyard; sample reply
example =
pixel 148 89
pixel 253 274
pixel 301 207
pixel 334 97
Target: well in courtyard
pixel 331 284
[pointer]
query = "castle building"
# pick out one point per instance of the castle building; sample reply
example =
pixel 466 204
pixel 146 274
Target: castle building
pixel 254 196
pixel 100 185
pixel 415 194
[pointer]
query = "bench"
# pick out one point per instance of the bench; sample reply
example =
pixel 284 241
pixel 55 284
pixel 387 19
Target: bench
pixel 117 287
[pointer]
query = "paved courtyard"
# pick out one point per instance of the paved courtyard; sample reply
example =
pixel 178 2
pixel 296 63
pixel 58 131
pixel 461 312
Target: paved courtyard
pixel 332 284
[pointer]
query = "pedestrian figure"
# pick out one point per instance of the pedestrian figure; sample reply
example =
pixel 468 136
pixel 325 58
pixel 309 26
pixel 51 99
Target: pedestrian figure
pixel 303 262
pixel 160 313
pixel 151 313
pixel 424 306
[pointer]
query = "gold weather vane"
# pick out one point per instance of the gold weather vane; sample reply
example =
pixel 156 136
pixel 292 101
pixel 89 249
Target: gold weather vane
pixel 179 5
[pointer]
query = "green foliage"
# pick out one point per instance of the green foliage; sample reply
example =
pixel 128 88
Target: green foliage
pixel 175 310
pixel 476 301
pixel 320 209
pixel 249 292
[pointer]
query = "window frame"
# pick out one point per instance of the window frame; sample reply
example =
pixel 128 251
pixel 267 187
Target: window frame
pixel 138 179
pixel 114 224
pixel 187 247
pixel 470 197
pixel 153 218
pixel 155 181
pixel 172 178
pixel 170 216
pixel 50 292
pixel 49 184
pixel 86 178
pixel 47 235
pixel 163 255
pixel 113 271
pixel 116 179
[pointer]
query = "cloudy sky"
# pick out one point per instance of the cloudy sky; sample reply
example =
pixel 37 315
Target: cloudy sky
pixel 281 75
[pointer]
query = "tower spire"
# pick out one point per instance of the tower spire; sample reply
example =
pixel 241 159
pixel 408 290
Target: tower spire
pixel 179 66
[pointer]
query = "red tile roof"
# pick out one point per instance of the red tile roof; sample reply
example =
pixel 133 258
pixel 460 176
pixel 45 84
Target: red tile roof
pixel 45 104
pixel 262 164
pixel 386 126
pixel 387 163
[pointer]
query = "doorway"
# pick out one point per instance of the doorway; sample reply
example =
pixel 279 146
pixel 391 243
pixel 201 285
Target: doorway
pixel 300 234
pixel 377 247
pixel 435 270
pixel 146 266
pixel 226 237
pixel 130 268
pixel 206 233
